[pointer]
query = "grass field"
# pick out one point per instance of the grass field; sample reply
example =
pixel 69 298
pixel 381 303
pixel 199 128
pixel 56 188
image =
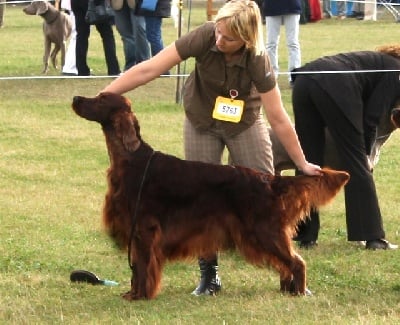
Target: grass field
pixel 52 184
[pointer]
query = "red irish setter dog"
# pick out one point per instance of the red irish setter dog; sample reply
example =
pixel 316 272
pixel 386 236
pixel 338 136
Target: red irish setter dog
pixel 163 208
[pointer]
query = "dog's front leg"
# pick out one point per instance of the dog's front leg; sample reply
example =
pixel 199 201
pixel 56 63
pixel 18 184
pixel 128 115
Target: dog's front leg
pixel 132 294
pixel 53 55
pixel 147 265
pixel 47 47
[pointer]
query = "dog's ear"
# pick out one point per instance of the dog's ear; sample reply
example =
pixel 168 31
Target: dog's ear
pixel 125 129
pixel 42 7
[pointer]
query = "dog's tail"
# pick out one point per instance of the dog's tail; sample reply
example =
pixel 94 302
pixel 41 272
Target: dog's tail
pixel 302 193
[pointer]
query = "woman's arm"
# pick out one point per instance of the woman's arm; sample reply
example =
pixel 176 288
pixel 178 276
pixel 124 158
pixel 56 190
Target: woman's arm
pixel 145 71
pixel 283 128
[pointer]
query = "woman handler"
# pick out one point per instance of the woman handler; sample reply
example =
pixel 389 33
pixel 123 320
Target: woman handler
pixel 223 96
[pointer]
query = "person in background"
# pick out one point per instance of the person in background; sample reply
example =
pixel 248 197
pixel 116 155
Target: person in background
pixel 350 106
pixel 341 9
pixel 230 63
pixel 69 67
pixel 132 29
pixel 326 9
pixel 286 12
pixel 154 23
pixel 2 10
pixel 79 9
pixel 358 10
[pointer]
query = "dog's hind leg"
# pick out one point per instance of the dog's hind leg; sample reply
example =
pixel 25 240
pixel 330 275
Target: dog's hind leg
pixel 299 275
pixel 294 281
pixel 277 251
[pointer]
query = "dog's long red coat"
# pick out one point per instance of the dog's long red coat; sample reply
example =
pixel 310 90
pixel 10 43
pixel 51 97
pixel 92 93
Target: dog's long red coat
pixel 176 209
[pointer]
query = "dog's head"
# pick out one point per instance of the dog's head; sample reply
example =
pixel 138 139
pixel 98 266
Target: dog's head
pixel 114 114
pixel 36 8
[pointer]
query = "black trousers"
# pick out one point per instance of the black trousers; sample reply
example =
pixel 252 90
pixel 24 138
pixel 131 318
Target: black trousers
pixel 314 110
pixel 79 8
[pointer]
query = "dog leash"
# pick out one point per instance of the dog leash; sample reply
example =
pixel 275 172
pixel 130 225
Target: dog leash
pixel 137 208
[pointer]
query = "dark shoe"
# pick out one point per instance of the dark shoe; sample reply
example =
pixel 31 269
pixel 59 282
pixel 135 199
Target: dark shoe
pixel 210 283
pixel 307 244
pixel 379 244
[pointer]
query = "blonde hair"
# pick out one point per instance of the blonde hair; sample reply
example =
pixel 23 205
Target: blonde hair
pixel 243 20
pixel 393 50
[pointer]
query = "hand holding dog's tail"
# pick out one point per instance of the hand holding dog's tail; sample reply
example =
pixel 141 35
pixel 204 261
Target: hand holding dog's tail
pixel 309 192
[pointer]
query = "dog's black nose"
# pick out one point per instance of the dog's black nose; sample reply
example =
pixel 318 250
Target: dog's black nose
pixel 76 99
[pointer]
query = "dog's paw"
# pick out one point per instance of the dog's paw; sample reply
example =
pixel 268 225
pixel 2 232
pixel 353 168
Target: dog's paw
pixel 131 295
pixel 128 296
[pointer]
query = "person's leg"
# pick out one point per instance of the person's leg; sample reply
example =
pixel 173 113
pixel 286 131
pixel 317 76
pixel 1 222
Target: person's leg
pixel 341 9
pixel 363 215
pixel 79 9
pixel 310 130
pixel 125 29
pixel 206 147
pixel 153 33
pixel 326 8
pixel 70 60
pixel 2 10
pixel 273 25
pixel 139 30
pixel 252 148
pixel 292 28
pixel 202 146
pixel 110 51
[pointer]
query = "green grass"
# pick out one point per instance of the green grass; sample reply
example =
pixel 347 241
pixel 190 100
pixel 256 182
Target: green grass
pixel 52 185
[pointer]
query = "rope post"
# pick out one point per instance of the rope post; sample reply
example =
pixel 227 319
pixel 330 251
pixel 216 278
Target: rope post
pixel 178 92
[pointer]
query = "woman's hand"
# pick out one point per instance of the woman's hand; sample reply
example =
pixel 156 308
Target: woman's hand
pixel 311 169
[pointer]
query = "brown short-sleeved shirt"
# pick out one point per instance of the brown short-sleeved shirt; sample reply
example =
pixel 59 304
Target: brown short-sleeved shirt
pixel 213 76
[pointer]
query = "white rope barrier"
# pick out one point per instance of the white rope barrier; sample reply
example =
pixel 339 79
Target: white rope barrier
pixel 186 75
pixel 78 77
pixel 340 71
pixel 354 1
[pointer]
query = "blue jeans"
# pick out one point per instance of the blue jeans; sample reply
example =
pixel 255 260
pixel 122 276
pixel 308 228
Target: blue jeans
pixel 341 8
pixel 292 27
pixel 132 29
pixel 153 33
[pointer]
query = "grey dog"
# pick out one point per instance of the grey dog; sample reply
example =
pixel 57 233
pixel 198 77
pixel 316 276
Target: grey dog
pixel 57 27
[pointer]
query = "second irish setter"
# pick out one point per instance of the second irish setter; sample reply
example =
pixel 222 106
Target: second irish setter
pixel 163 208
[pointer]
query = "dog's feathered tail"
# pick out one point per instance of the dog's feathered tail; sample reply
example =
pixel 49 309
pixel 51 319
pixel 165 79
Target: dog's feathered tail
pixel 302 193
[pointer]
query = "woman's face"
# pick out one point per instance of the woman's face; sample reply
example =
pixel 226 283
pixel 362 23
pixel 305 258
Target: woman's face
pixel 226 42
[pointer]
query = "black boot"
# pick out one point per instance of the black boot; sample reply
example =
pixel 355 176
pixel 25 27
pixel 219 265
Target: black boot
pixel 210 283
